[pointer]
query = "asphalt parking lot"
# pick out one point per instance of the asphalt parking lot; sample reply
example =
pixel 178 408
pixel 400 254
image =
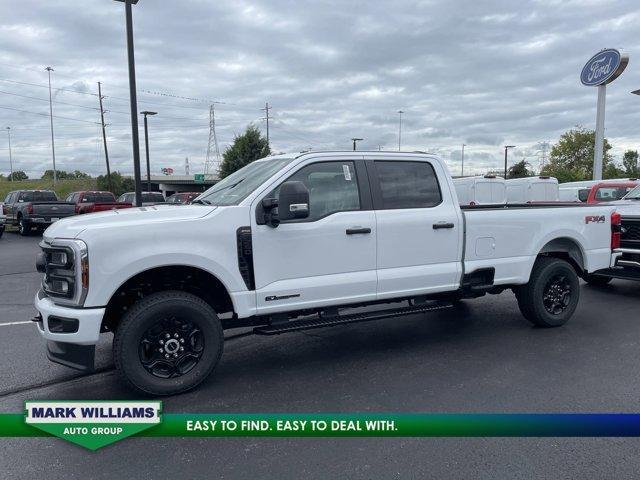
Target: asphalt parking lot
pixel 482 357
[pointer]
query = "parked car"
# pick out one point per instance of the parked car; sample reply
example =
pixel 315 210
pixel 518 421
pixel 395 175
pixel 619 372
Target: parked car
pixel 148 198
pixel 532 189
pixel 93 201
pixel 481 190
pixel 294 242
pixel 610 191
pixel 183 198
pixel 30 209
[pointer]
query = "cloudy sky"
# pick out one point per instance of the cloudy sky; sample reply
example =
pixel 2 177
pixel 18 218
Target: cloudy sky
pixel 480 72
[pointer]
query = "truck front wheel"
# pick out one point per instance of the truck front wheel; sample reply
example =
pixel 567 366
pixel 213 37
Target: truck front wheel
pixel 167 343
pixel 551 296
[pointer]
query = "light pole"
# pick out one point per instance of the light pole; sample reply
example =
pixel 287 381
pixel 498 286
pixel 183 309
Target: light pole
pixel 462 169
pixel 53 146
pixel 400 112
pixel 146 144
pixel 10 159
pixel 355 140
pixel 133 99
pixel 506 151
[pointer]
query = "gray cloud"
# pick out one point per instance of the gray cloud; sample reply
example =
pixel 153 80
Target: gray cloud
pixel 480 73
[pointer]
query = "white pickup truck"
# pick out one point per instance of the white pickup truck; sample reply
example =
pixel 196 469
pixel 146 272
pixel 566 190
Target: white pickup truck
pixel 294 242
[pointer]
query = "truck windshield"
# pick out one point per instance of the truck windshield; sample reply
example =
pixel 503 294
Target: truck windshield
pixel 633 194
pixel 237 186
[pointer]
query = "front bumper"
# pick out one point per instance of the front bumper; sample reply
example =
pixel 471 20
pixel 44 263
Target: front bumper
pixel 89 321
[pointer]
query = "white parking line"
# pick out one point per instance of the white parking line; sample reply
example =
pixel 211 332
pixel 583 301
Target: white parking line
pixel 15 323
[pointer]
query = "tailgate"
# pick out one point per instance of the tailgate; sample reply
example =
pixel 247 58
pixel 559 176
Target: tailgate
pixel 53 209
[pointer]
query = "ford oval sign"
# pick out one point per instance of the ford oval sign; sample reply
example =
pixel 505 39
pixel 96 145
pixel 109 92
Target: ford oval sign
pixel 604 67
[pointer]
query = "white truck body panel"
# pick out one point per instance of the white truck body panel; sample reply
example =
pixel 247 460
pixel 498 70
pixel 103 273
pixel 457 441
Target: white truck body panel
pixel 481 190
pixel 532 189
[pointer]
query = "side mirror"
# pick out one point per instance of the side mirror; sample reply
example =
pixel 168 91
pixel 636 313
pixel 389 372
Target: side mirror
pixel 293 201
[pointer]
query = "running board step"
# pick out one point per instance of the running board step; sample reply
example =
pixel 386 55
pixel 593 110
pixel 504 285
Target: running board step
pixel 321 322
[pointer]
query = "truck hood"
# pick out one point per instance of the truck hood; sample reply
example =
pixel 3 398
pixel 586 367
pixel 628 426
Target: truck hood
pixel 73 226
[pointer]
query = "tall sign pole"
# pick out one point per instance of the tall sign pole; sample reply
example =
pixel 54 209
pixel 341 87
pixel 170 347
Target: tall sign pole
pixel 601 69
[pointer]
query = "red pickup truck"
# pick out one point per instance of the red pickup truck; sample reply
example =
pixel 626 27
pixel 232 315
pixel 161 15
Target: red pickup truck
pixel 610 191
pixel 94 201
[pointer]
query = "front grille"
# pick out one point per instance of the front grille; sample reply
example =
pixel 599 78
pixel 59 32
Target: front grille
pixel 630 233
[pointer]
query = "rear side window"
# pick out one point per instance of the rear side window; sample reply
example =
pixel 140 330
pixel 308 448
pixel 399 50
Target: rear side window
pixel 407 185
pixel 583 195
pixel 39 197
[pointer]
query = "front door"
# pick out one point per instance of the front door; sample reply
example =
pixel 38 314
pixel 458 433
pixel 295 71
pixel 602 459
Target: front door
pixel 328 258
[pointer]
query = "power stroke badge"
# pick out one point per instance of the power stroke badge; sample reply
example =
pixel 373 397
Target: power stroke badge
pixel 93 424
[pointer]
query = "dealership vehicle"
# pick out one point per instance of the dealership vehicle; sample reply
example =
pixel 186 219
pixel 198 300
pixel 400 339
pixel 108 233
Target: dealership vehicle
pixel 573 194
pixel 30 209
pixel 481 190
pixel 183 198
pixel 610 191
pixel 294 242
pixel 532 189
pixel 148 198
pixel 92 202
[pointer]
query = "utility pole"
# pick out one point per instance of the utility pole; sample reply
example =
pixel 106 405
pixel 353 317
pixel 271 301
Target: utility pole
pixel 462 170
pixel 10 159
pixel 400 130
pixel 506 152
pixel 146 145
pixel 355 140
pixel 104 138
pixel 133 99
pixel 53 146
pixel 266 110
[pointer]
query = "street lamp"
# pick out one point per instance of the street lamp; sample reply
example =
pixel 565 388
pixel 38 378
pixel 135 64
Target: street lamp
pixel 400 112
pixel 506 151
pixel 146 144
pixel 354 140
pixel 10 159
pixel 462 169
pixel 133 99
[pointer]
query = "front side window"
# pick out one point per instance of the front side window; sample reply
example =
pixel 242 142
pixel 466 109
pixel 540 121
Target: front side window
pixel 333 187
pixel 407 185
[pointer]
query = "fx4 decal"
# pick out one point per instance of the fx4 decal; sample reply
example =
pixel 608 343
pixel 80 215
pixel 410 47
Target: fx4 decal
pixel 595 219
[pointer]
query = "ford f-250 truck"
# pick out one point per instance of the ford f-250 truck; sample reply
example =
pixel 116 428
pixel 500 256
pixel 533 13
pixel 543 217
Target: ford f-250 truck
pixel 30 209
pixel 293 242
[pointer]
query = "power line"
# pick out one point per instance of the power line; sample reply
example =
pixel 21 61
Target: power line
pixel 47 100
pixel 47 115
pixel 47 86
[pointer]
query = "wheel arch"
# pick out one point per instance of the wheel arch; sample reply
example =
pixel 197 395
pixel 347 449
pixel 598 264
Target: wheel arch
pixel 185 278
pixel 568 249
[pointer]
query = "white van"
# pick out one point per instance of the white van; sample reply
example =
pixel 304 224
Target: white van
pixel 532 189
pixel 487 190
pixel 573 194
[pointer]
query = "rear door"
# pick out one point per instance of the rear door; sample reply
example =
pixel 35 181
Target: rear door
pixel 328 258
pixel 418 228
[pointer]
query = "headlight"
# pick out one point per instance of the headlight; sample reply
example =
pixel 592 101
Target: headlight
pixel 65 264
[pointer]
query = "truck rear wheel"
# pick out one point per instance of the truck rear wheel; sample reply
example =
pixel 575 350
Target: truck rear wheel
pixel 551 296
pixel 167 343
pixel 24 228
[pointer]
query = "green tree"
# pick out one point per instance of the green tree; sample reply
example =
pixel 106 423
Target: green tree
pixel 17 176
pixel 571 158
pixel 520 170
pixel 80 175
pixel 630 163
pixel 119 183
pixel 246 148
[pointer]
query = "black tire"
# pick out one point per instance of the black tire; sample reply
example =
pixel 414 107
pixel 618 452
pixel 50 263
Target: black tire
pixel 552 294
pixel 597 280
pixel 24 228
pixel 151 319
pixel 1 231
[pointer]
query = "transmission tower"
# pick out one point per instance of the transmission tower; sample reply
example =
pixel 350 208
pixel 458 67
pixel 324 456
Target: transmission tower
pixel 544 147
pixel 212 163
